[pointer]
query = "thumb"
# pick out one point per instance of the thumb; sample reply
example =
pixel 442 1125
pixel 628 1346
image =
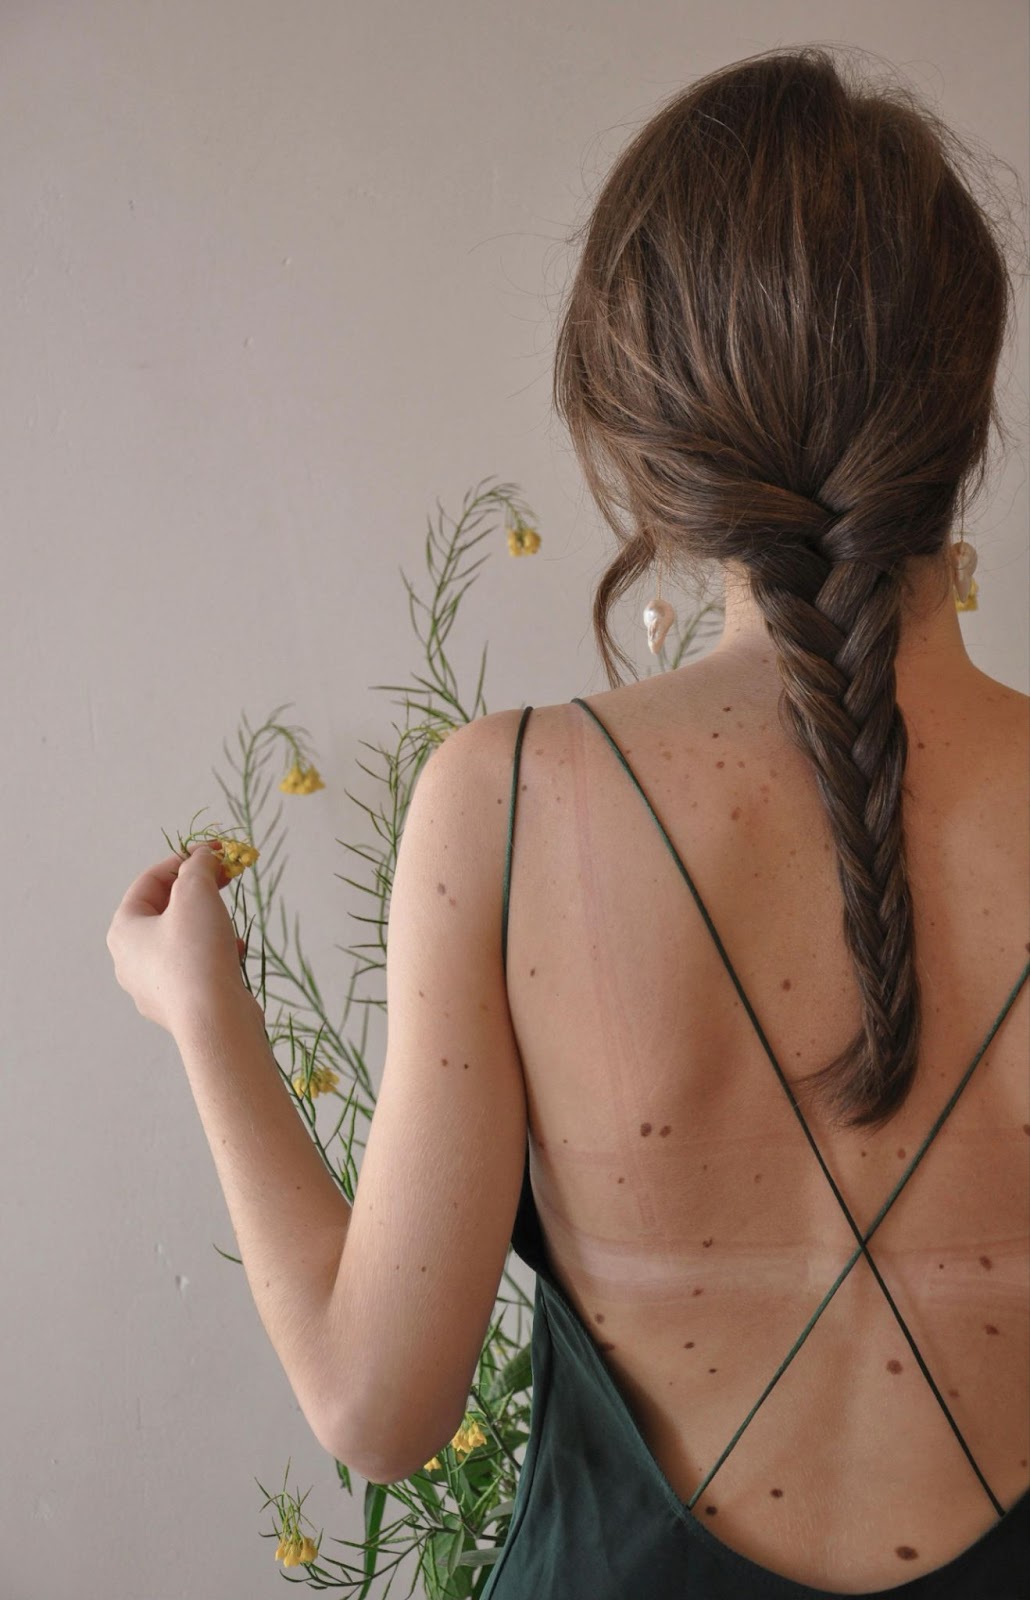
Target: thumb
pixel 212 850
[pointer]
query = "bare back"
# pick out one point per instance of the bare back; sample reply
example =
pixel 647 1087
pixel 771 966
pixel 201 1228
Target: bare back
pixel 684 1214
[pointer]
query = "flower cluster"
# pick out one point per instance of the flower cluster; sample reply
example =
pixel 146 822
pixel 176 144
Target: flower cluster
pixel 237 854
pixel 522 540
pixel 301 780
pixel 296 1552
pixel 322 1080
pixel 464 1442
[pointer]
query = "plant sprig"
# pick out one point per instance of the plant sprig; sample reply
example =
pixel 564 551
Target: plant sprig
pixel 456 1515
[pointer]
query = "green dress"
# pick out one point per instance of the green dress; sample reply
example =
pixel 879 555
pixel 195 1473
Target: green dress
pixel 594 1516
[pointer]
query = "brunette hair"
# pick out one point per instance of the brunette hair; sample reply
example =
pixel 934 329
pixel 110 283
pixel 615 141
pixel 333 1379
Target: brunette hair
pixel 779 349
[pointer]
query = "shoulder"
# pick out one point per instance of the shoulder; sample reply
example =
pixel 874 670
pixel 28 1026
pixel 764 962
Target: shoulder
pixel 464 785
pixel 485 747
pixel 481 753
pixel 473 753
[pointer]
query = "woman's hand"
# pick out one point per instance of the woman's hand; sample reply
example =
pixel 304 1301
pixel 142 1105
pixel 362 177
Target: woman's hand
pixel 172 939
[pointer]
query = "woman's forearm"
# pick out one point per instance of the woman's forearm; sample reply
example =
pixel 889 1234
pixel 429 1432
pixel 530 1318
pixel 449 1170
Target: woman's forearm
pixel 288 1213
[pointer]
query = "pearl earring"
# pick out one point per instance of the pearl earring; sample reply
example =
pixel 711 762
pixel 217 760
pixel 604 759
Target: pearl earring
pixel 963 565
pixel 659 617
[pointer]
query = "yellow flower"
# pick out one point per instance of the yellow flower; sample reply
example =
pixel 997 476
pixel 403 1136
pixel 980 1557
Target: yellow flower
pixel 301 780
pixel 322 1080
pixel 237 855
pixel 296 1552
pixel 523 541
pixel 467 1437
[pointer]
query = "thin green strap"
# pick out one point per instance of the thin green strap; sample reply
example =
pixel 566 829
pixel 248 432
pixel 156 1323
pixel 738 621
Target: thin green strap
pixel 511 834
pixel 818 1153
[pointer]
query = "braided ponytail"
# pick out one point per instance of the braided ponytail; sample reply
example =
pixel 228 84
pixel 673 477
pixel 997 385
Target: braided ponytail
pixel 835 626
pixel 779 350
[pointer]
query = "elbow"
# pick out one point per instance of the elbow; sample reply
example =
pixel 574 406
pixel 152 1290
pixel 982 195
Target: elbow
pixel 374 1468
pixel 380 1460
pixel 344 1444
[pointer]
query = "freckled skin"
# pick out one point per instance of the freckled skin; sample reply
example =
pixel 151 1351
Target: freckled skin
pixel 706 1243
pixel 689 1345
pixel 785 984
pixel 986 1263
pixel 663 1131
pixel 894 1366
pixel 777 1494
pixel 598 1316
pixel 906 1552
pixel 990 1328
pixel 710 1511
pixel 645 1129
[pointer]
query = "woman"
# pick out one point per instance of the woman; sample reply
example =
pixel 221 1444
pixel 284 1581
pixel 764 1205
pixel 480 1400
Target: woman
pixel 742 1014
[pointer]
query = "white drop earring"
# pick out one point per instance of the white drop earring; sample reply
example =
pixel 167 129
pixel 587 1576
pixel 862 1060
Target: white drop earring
pixel 659 617
pixel 963 565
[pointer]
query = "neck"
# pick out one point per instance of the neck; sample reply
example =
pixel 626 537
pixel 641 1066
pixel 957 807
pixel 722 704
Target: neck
pixel 931 649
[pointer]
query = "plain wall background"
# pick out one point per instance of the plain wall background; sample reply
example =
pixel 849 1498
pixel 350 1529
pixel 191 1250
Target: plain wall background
pixel 276 276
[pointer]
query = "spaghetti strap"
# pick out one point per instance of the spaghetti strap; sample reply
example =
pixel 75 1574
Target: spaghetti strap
pixel 528 1222
pixel 516 762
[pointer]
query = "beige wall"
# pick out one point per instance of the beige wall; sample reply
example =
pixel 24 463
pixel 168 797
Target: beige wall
pixel 275 277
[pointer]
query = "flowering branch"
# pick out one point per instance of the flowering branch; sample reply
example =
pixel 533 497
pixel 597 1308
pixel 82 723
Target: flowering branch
pixel 458 1507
